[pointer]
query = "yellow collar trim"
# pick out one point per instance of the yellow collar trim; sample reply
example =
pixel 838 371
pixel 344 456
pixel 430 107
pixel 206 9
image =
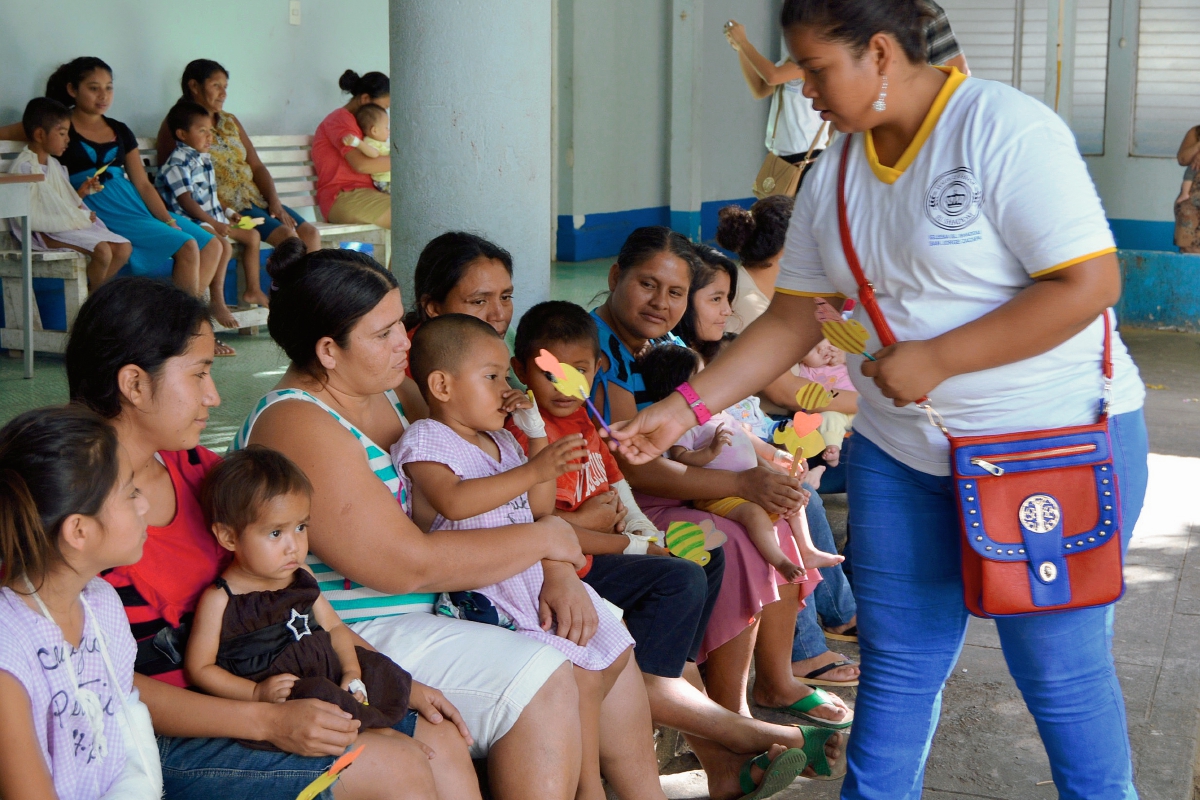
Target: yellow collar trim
pixel 890 175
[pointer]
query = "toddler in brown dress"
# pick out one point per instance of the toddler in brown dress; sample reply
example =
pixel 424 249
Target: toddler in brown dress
pixel 263 631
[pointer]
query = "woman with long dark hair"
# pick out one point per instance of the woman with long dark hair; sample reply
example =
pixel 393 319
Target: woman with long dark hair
pixel 986 249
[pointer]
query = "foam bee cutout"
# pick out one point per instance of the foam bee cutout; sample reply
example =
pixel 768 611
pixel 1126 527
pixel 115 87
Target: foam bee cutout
pixel 848 335
pixel 694 540
pixel 568 381
pixel 813 395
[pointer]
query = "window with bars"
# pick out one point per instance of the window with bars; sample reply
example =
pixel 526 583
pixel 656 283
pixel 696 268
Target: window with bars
pixel 1167 102
pixel 1005 40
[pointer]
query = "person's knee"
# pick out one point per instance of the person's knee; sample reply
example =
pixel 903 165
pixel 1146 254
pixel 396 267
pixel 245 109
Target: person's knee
pixel 122 251
pixel 215 247
pixel 385 219
pixel 190 251
pixel 102 254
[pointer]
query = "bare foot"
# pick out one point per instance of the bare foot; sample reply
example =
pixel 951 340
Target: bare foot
pixel 835 710
pixel 256 299
pixel 832 456
pixel 792 573
pixel 221 313
pixel 723 777
pixel 845 673
pixel 815 559
pixel 813 478
pixel 223 350
pixel 843 628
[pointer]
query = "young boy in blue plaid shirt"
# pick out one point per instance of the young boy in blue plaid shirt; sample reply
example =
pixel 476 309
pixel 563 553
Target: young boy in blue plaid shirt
pixel 188 186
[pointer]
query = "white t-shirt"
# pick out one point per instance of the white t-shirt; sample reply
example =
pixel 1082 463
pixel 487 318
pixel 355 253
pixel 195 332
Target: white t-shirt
pixel 798 122
pixel 990 194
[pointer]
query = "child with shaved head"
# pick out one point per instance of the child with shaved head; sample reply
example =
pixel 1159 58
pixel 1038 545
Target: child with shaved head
pixel 467 472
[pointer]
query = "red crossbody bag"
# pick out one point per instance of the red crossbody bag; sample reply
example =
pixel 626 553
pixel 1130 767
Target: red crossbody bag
pixel 1039 511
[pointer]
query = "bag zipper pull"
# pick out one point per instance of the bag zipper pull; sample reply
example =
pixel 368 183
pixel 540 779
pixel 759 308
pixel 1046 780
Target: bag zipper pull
pixel 989 466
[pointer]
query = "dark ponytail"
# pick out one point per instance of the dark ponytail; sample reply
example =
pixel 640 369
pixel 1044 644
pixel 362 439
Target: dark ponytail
pixel 127 321
pixel 199 71
pixel 54 462
pixel 72 73
pixel 373 84
pixel 757 235
pixel 443 263
pixel 854 22
pixel 320 294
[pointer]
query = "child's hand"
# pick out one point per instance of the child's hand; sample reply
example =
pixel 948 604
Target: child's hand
pixel 92 216
pixel 599 513
pixel 350 140
pixel 832 455
pixel 721 439
pixel 352 683
pixel 232 216
pixel 275 689
pixel 567 454
pixel 512 399
pixel 90 186
pixel 221 228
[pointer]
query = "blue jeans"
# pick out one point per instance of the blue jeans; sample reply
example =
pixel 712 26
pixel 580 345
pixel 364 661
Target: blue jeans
pixel 203 769
pixel 912 623
pixel 832 600
pixel 667 603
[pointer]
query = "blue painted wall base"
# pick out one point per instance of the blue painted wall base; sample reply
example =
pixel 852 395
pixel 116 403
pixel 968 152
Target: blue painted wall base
pixel 1159 289
pixel 1141 234
pixel 602 235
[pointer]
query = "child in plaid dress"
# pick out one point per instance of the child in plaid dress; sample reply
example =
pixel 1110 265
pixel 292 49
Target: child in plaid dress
pixel 188 185
pixel 468 473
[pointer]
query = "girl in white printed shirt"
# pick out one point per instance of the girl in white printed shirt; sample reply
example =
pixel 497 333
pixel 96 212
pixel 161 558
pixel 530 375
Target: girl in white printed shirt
pixel 69 511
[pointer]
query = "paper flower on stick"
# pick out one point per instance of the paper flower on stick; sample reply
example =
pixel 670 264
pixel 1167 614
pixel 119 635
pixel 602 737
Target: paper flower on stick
pixel 329 776
pixel 848 335
pixel 694 540
pixel 569 381
pixel 801 438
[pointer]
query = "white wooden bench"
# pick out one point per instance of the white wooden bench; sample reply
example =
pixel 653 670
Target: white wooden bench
pixel 287 158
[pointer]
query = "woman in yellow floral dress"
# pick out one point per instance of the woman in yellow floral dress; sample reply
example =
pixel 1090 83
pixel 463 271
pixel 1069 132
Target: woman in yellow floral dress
pixel 243 182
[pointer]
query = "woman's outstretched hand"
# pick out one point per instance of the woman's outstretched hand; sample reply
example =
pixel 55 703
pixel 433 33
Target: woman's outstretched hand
pixel 654 429
pixel 905 372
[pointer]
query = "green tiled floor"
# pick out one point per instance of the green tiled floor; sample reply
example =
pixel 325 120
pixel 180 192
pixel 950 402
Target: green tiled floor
pixel 256 368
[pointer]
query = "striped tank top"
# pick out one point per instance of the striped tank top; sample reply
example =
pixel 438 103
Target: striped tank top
pixel 352 601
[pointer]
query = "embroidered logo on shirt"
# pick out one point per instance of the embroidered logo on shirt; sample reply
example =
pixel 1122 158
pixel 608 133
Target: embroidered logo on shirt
pixel 954 199
pixel 301 629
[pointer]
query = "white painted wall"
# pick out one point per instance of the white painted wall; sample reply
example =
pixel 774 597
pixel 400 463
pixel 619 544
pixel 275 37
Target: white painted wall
pixel 614 103
pixel 283 78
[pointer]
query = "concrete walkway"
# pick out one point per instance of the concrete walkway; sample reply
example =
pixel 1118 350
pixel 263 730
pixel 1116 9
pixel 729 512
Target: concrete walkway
pixel 987 745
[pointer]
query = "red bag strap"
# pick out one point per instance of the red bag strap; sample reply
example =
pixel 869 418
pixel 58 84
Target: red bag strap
pixel 866 291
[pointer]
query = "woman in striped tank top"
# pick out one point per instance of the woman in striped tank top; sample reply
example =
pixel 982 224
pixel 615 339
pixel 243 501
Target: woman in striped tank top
pixel 140 355
pixel 337 316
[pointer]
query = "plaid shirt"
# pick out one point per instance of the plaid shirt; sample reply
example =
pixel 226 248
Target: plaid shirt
pixel 189 171
pixel 939 38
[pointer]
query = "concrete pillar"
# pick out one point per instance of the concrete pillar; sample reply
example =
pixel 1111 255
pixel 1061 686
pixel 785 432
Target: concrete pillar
pixel 471 99
pixel 687 27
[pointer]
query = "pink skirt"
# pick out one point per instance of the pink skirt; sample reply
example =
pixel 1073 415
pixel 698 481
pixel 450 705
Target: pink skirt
pixel 749 583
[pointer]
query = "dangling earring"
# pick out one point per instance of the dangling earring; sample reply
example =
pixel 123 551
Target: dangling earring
pixel 881 103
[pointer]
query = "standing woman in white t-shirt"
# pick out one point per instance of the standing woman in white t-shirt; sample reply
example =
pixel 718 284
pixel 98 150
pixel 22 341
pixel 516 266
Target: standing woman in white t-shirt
pixel 994 283
pixel 792 128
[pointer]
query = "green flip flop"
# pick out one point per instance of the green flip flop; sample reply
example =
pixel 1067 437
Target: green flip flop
pixel 777 774
pixel 814 751
pixel 819 697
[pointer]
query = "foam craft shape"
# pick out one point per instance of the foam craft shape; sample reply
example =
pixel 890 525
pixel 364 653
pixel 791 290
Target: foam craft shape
pixel 569 382
pixel 102 170
pixel 804 424
pixel 693 540
pixel 246 223
pixel 329 776
pixel 800 442
pixel 811 445
pixel 846 334
pixel 814 395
